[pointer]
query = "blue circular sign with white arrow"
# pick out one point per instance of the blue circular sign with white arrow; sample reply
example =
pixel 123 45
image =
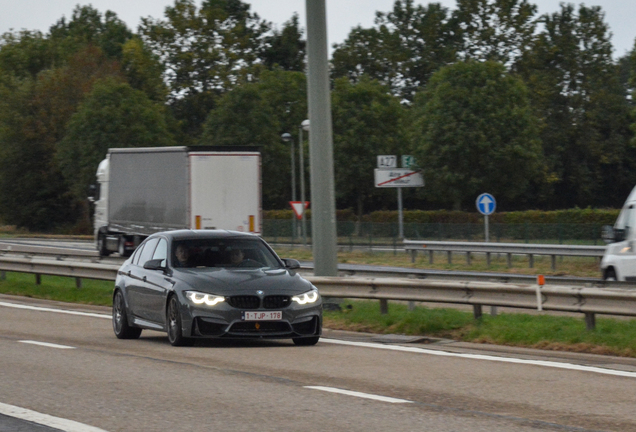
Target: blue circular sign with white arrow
pixel 486 204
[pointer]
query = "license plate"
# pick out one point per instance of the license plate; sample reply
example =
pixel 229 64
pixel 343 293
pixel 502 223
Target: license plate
pixel 262 316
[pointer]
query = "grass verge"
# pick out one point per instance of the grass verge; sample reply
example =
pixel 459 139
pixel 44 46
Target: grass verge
pixel 93 292
pixel 611 336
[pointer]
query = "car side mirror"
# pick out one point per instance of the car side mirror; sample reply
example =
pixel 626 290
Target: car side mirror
pixel 92 193
pixel 620 235
pixel 155 264
pixel 291 264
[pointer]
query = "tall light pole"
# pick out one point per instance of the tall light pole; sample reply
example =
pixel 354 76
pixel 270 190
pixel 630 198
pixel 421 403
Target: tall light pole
pixel 323 220
pixel 303 126
pixel 288 138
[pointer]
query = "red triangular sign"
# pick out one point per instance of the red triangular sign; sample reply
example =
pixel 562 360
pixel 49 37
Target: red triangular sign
pixel 298 208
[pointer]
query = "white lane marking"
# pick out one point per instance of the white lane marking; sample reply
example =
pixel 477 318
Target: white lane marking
pixel 553 364
pixel 43 309
pixel 46 420
pixel 358 394
pixel 46 344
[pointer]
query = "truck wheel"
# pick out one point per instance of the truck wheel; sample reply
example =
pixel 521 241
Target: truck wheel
pixel 121 248
pixel 610 275
pixel 101 246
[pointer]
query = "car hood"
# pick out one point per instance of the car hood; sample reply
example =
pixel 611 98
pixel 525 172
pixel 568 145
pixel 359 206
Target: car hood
pixel 239 282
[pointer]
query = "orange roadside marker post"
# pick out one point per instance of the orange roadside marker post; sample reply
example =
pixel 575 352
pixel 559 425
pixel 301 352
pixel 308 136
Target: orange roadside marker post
pixel 540 283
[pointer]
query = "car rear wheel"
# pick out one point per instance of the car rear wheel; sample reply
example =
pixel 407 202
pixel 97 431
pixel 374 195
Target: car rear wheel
pixel 307 341
pixel 120 319
pixel 175 329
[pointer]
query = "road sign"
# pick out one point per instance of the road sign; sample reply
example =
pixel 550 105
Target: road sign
pixel 486 204
pixel 299 208
pixel 408 161
pixel 387 161
pixel 398 177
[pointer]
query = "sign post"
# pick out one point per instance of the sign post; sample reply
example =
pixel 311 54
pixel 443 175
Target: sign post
pixel 387 175
pixel 486 205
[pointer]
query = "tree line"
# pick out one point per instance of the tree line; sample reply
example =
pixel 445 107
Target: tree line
pixel 488 97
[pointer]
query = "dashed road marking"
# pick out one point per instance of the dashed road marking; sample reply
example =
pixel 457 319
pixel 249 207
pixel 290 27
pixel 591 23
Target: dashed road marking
pixel 46 344
pixel 45 419
pixel 358 394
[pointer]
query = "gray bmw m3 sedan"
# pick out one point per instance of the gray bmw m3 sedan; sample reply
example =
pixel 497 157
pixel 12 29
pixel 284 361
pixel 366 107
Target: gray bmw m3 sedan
pixel 214 284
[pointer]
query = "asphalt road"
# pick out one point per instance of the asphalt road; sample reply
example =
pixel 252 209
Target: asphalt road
pixel 87 376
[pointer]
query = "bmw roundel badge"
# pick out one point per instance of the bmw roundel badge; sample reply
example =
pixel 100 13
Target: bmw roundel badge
pixel 259 292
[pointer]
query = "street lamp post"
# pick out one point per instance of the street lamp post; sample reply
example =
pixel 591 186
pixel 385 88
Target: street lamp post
pixel 288 138
pixel 303 126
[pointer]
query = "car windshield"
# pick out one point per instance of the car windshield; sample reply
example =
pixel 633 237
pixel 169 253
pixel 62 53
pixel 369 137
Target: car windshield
pixel 224 253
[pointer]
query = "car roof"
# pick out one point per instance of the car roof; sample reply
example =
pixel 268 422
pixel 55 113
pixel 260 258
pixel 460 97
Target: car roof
pixel 187 234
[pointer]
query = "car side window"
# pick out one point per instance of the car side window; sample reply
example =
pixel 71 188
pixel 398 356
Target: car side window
pixel 148 250
pixel 161 252
pixel 135 258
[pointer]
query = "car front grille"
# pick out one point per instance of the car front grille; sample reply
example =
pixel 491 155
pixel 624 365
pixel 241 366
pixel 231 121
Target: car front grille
pixel 276 302
pixel 254 302
pixel 244 302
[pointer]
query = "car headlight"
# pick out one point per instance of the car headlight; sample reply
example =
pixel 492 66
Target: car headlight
pixel 308 297
pixel 202 298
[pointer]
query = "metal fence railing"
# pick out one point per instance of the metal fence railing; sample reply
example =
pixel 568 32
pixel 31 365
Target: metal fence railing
pixel 386 234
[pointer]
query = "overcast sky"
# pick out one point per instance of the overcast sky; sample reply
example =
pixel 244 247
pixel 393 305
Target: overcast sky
pixel 342 15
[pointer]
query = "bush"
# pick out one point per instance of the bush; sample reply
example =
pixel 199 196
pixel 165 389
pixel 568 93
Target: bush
pixel 571 216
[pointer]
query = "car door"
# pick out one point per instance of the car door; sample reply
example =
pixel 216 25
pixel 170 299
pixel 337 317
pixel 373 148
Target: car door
pixel 156 285
pixel 137 277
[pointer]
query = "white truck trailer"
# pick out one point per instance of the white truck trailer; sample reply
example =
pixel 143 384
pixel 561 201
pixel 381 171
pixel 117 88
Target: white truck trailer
pixel 140 191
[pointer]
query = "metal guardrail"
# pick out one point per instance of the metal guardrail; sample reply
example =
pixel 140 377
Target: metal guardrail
pixel 509 249
pixel 8 247
pixel 586 300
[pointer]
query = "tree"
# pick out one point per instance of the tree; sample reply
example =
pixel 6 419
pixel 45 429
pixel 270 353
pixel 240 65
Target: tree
pixel 89 27
pixel 25 54
pixel 498 30
pixel 112 115
pixel 258 114
pixel 576 90
pixel 367 122
pixel 143 70
pixel 33 193
pixel 285 49
pixel 402 51
pixel 630 63
pixel 33 120
pixel 475 132
pixel 207 51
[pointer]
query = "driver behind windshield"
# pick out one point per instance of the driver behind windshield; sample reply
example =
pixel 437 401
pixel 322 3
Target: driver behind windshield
pixel 236 257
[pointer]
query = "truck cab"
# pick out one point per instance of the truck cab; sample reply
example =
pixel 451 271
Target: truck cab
pixel 619 261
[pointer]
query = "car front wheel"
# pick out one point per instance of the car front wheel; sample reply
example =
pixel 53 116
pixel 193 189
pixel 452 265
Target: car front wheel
pixel 175 329
pixel 120 319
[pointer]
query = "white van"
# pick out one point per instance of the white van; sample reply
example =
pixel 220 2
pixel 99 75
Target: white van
pixel 619 261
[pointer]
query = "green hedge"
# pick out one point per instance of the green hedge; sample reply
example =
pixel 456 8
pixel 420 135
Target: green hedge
pixel 571 216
